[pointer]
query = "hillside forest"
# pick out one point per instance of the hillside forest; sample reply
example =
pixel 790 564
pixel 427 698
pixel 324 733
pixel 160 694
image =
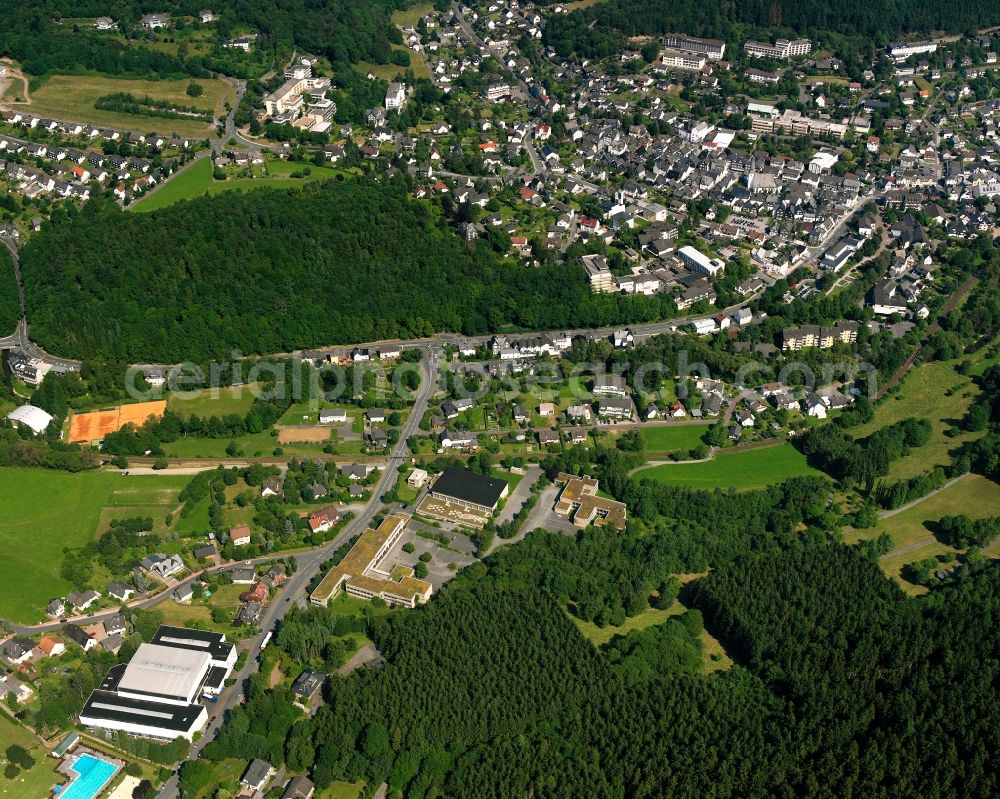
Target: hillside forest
pixel 333 262
pixel 601 29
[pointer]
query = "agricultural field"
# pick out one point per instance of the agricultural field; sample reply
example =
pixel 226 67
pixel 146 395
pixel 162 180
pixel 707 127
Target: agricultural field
pixel 196 180
pixel 740 469
pixel 72 97
pixel 933 391
pixel 910 529
pixel 45 511
pixel 38 779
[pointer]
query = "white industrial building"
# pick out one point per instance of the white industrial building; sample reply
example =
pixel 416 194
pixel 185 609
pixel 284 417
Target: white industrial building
pixel 158 693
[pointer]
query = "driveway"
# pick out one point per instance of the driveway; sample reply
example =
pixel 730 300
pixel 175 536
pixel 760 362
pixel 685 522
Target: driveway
pixel 519 495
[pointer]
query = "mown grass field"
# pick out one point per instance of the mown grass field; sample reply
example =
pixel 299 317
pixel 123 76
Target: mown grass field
pixel 672 439
pixel 213 402
pixel 45 511
pixel 252 444
pixel 913 540
pixel 933 391
pixel 341 790
pixel 196 180
pixel 37 781
pixel 739 469
pixel 72 97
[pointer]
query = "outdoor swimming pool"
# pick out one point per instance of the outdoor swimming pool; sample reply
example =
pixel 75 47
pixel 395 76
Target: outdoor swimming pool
pixel 92 775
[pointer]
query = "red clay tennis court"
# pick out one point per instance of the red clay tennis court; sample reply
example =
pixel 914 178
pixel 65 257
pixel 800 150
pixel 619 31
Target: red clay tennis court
pixel 87 427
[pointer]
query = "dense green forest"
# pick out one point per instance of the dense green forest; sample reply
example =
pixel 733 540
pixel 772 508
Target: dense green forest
pixel 845 688
pixel 344 30
pixel 272 271
pixel 10 306
pixel 601 29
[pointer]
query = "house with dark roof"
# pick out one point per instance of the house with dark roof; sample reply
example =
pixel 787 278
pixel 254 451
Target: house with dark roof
pixel 307 685
pixel 242 576
pixel 249 614
pixel 299 788
pixel 81 600
pixel 257 775
pixel 17 650
pixel 120 591
pixel 78 635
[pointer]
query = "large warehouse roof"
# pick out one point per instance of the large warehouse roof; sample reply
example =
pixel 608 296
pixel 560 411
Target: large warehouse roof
pixel 165 671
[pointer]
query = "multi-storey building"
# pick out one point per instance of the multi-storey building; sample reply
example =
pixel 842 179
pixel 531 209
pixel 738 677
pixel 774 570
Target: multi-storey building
pixel 781 50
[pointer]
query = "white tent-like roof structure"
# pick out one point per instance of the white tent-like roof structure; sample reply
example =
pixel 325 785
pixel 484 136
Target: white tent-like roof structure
pixel 32 417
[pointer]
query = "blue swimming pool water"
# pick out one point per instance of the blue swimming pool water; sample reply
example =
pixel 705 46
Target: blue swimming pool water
pixel 92 773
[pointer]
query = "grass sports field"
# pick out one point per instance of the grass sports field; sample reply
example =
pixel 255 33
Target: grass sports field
pixel 933 391
pixel 196 179
pixel 912 540
pixel 739 469
pixel 72 97
pixel 45 511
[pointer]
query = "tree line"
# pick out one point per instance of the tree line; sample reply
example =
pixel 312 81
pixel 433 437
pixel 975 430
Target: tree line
pixel 345 31
pixel 599 31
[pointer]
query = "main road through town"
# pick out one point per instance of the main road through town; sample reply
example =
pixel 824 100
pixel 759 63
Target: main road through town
pixel 308 565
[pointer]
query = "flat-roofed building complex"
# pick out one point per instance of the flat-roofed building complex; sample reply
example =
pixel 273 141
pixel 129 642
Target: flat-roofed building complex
pixel 156 694
pixel 362 572
pixel 710 48
pixel 599 273
pixel 671 58
pixel 900 51
pixel 823 337
pixel 699 262
pixel 289 98
pixel 781 49
pixel 580 502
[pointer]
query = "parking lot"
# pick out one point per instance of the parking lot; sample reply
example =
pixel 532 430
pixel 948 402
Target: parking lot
pixel 459 553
